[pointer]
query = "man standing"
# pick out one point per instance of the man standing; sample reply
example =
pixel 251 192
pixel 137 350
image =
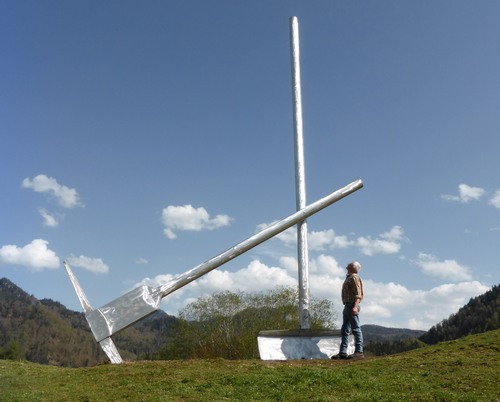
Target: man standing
pixel 352 294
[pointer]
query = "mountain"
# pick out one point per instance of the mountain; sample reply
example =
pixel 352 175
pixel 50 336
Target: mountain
pixel 46 332
pixel 481 314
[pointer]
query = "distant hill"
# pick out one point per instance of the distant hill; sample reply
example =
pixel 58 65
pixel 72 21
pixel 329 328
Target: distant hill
pixel 46 332
pixel 376 333
pixel 481 314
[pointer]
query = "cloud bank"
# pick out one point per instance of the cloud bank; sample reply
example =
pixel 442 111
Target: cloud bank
pixel 385 243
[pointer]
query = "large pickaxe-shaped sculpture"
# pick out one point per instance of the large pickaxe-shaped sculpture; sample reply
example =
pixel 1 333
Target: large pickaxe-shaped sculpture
pixel 143 301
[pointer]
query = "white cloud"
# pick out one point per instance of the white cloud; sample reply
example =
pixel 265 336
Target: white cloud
pixel 396 233
pixel 289 263
pixel 327 238
pixel 65 196
pixel 95 265
pixel 320 240
pixel 385 295
pixel 141 261
pixel 495 200
pixel 387 243
pixel 35 255
pixel 448 269
pixel 325 265
pixel 190 219
pixel 287 237
pixel 316 240
pixel 319 267
pixel 342 242
pixel 376 310
pixel 465 194
pixel 386 304
pixel 256 276
pixel 48 219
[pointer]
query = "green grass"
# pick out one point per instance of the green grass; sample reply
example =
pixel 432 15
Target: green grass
pixel 463 370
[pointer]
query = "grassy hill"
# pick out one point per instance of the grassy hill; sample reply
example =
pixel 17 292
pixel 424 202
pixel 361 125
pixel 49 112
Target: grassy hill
pixel 466 369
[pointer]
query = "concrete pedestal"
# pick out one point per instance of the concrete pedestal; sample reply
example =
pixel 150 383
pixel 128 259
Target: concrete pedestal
pixel 300 344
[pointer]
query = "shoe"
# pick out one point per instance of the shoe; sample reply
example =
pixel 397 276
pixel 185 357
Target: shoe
pixel 356 356
pixel 340 356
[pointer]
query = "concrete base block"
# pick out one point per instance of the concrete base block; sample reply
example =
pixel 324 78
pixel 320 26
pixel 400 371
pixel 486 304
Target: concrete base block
pixel 300 344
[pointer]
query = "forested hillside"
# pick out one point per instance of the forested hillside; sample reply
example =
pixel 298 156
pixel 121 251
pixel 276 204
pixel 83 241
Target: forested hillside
pixel 46 332
pixel 481 314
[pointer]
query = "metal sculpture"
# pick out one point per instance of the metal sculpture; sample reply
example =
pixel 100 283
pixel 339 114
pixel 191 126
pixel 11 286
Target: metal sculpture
pixel 144 300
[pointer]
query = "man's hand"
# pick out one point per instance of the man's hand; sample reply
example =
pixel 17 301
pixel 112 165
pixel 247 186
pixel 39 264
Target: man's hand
pixel 354 310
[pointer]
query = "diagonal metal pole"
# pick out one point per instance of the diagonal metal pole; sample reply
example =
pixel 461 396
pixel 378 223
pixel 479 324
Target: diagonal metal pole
pixel 300 179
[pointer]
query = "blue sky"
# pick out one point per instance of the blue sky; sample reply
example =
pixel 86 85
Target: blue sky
pixel 139 139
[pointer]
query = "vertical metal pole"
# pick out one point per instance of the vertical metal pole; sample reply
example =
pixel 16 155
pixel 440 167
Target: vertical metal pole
pixel 300 181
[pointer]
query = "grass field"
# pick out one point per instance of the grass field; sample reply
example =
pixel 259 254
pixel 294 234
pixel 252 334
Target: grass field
pixel 463 370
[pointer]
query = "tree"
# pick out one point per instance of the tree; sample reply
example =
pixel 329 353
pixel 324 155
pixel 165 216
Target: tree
pixel 13 351
pixel 226 324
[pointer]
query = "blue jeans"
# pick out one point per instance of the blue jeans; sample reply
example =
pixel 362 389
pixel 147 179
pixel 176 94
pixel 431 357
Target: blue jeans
pixel 351 323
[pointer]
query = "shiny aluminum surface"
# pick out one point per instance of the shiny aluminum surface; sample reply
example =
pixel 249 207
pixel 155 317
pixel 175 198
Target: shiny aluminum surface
pixel 300 178
pixel 123 312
